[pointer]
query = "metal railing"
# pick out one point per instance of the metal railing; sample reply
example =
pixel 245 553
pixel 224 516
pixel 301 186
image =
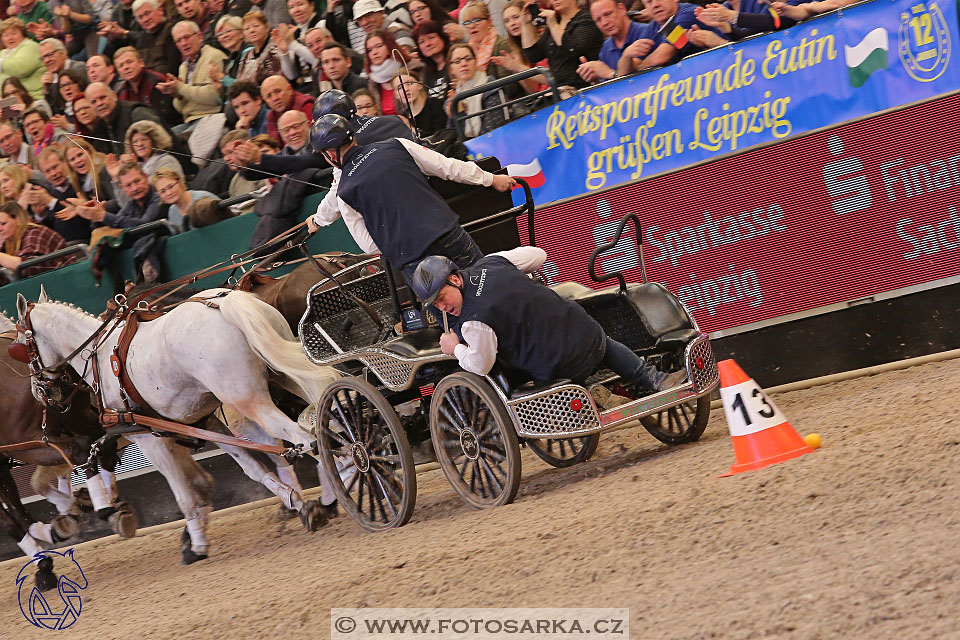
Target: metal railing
pixel 550 96
pixel 16 274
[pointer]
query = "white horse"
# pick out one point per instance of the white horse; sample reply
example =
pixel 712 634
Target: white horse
pixel 186 364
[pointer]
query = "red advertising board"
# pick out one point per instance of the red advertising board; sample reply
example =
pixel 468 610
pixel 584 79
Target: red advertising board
pixel 858 210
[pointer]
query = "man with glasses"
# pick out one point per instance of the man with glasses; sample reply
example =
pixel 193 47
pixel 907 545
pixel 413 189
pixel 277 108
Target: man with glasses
pixel 53 55
pixel 155 40
pixel 12 146
pixel 139 84
pixel 294 132
pixel 35 126
pixel 195 95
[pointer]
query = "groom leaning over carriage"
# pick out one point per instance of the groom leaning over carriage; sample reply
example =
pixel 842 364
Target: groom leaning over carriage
pixel 386 201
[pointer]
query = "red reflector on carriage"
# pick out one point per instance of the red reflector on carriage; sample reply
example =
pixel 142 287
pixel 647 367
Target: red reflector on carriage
pixel 426 391
pixel 18 351
pixel 700 363
pixel 576 405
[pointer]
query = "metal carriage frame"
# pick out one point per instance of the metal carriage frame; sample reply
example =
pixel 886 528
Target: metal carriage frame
pixel 477 423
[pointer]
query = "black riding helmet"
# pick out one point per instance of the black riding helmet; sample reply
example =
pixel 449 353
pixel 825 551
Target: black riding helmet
pixel 334 101
pixel 331 131
pixel 430 276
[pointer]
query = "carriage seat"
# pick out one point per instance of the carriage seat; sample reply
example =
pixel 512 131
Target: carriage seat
pixel 415 344
pixel 662 315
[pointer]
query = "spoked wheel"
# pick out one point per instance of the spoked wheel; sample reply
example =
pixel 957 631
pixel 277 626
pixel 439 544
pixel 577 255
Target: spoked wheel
pixel 475 441
pixel 366 457
pixel 567 451
pixel 680 424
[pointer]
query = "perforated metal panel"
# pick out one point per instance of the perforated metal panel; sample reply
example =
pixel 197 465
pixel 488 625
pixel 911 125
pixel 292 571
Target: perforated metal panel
pixel 565 410
pixel 621 323
pixel 334 322
pixel 395 374
pixel 702 364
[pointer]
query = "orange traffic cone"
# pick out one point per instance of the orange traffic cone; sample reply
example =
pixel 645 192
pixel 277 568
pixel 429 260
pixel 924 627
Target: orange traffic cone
pixel 761 434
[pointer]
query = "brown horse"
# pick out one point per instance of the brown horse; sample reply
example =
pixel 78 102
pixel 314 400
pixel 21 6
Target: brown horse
pixel 288 294
pixel 72 431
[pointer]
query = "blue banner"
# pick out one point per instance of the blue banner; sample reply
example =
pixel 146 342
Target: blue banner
pixel 865 59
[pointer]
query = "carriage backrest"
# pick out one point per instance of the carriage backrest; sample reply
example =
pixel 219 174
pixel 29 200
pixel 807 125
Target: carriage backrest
pixel 334 322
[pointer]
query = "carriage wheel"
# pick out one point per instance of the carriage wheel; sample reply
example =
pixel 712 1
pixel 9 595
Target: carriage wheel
pixel 565 452
pixel 680 424
pixel 366 457
pixel 475 441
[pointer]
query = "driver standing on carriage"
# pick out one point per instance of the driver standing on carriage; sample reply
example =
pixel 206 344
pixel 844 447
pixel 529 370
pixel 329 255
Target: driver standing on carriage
pixel 504 313
pixel 383 191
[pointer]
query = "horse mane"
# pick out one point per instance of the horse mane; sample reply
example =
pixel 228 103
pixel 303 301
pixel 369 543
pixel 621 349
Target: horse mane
pixel 72 307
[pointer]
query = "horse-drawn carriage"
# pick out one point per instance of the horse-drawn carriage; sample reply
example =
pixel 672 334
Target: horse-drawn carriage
pixel 400 387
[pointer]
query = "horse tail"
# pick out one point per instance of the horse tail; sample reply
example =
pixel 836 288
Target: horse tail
pixel 269 335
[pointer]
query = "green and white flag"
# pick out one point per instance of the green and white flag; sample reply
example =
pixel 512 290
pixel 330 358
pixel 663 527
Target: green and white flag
pixel 866 56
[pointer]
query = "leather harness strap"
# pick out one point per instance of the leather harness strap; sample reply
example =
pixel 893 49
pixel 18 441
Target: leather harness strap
pixel 111 418
pixel 119 358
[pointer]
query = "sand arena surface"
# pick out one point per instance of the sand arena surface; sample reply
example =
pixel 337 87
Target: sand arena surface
pixel 857 540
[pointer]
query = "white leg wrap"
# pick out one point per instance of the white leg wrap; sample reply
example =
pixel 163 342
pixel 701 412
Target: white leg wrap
pixel 63 483
pixel 64 502
pixel 110 482
pixel 288 476
pixel 288 495
pixel 42 531
pixel 197 528
pixel 98 493
pixel 30 547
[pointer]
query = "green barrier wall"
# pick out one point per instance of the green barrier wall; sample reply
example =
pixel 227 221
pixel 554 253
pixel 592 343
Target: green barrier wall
pixel 184 254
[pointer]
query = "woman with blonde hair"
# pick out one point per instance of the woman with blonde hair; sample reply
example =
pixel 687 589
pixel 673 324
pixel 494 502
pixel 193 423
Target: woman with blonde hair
pixel 146 143
pixel 22 240
pixel 89 165
pixel 483 37
pixel 172 189
pixel 13 178
pixel 20 56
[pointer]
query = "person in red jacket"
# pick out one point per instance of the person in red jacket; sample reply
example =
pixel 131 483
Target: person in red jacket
pixel 279 95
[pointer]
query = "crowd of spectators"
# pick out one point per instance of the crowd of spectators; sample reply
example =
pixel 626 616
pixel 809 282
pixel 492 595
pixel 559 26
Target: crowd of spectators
pixel 119 112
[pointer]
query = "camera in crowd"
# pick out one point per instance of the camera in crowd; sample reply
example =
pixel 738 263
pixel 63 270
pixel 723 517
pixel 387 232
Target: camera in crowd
pixel 535 18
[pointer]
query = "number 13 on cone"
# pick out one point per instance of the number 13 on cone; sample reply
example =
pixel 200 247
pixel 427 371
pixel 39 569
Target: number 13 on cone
pixel 748 409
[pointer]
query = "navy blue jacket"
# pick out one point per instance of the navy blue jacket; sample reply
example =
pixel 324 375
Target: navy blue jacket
pixel 537 331
pixel 402 212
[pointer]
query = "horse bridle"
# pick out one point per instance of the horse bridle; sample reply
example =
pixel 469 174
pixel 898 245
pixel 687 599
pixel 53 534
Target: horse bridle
pixel 49 387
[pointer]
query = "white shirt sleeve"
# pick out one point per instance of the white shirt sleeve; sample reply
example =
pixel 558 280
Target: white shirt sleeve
pixel 526 259
pixel 287 67
pixel 436 164
pixel 328 211
pixel 480 353
pixel 357 228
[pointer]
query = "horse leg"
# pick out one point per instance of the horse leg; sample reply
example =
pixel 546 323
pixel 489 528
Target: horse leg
pixel 46 482
pixel 192 488
pixel 312 514
pixel 14 515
